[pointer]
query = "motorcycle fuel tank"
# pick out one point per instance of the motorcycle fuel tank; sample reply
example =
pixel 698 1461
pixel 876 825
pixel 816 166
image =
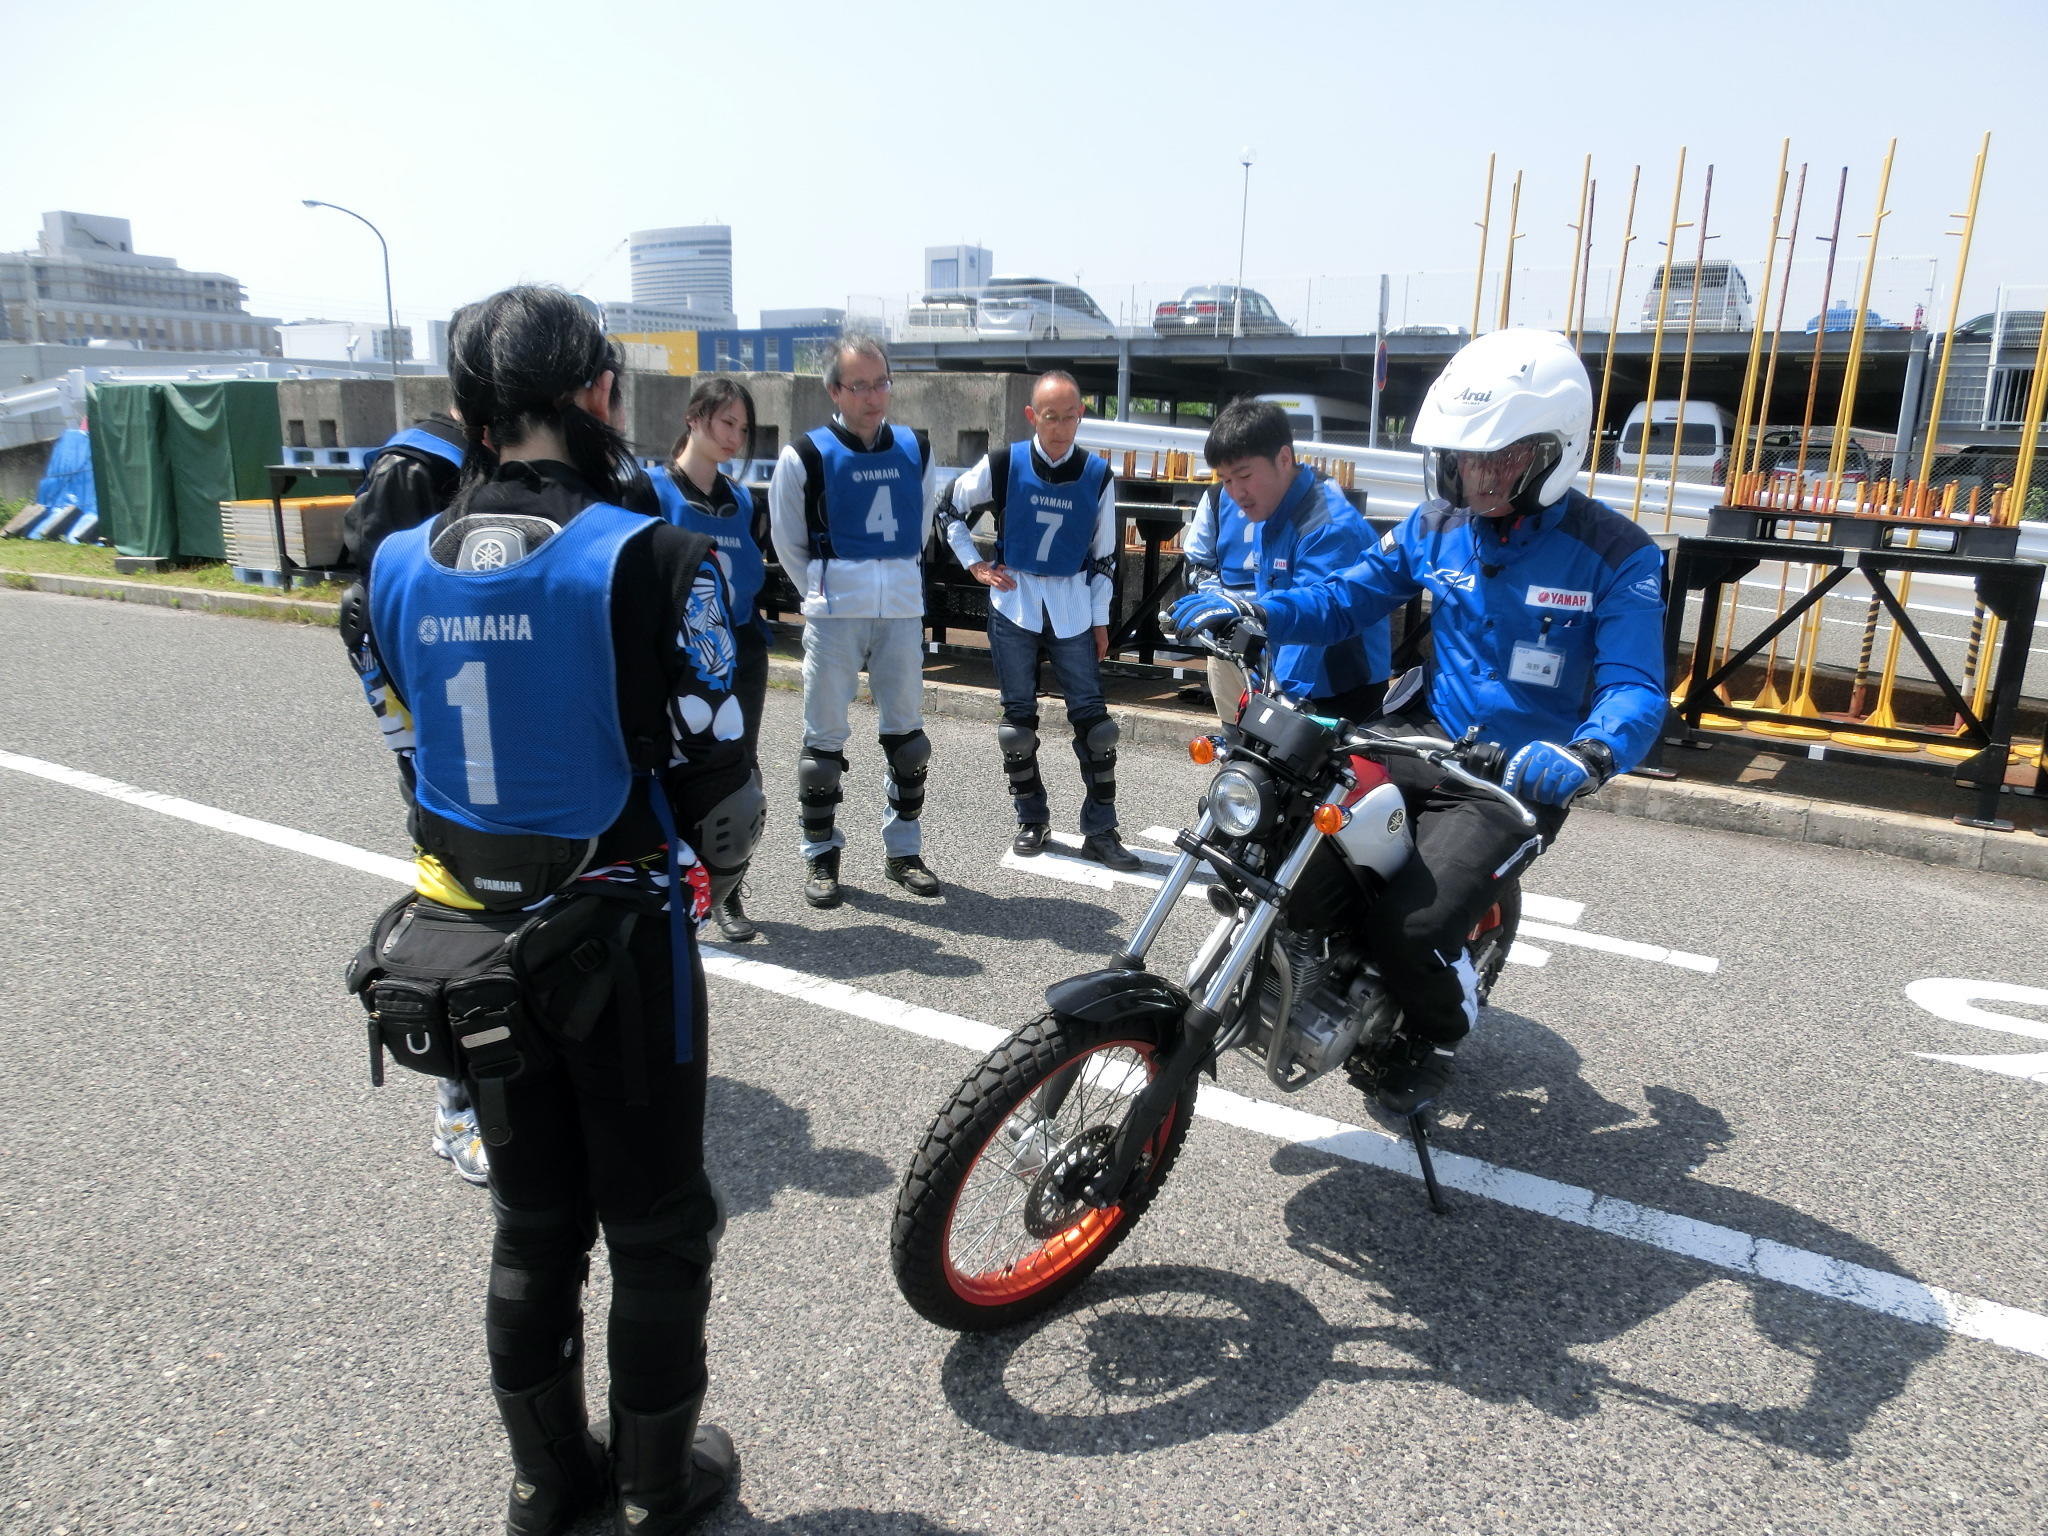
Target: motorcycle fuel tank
pixel 1377 837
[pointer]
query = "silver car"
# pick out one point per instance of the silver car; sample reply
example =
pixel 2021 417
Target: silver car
pixel 1037 309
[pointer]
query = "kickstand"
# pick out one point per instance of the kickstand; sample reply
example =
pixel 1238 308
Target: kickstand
pixel 1418 1132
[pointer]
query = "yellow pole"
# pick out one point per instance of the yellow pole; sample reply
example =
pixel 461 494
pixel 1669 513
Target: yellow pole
pixel 1635 510
pixel 1586 271
pixel 1692 321
pixel 1846 416
pixel 1507 284
pixel 1571 297
pixel 1763 409
pixel 1756 329
pixel 2030 435
pixel 1820 337
pixel 1485 222
pixel 1628 226
pixel 1955 303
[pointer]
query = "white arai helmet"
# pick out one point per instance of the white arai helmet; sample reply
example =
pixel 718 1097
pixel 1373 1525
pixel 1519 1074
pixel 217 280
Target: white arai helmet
pixel 1505 388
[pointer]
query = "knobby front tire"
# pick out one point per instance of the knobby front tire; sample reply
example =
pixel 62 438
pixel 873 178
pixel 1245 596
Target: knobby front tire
pixel 990 1229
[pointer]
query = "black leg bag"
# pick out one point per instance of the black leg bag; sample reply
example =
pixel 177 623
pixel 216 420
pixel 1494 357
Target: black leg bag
pixel 476 994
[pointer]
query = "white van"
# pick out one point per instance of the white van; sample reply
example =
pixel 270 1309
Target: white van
pixel 1694 449
pixel 1717 290
pixel 1320 419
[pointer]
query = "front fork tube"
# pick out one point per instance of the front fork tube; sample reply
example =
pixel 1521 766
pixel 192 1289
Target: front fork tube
pixel 1133 956
pixel 1201 1024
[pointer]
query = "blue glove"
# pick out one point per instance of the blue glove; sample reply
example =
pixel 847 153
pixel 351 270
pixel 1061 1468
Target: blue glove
pixel 1207 613
pixel 1546 773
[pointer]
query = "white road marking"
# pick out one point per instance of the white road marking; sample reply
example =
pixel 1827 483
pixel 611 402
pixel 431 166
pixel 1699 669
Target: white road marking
pixel 1683 959
pixel 1955 999
pixel 288 838
pixel 1723 1247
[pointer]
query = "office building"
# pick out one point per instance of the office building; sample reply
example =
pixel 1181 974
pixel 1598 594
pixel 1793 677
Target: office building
pixel 86 283
pixel 687 268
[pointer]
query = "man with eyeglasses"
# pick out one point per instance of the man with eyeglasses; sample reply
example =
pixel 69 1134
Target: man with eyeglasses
pixel 1546 613
pixel 849 512
pixel 1053 508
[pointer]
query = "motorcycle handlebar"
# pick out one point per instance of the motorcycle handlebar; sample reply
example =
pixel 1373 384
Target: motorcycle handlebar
pixel 1486 757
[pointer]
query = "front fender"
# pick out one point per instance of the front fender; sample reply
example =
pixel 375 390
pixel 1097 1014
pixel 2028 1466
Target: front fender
pixel 1112 996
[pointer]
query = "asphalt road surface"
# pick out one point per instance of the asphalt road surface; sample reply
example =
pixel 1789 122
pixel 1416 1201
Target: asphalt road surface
pixel 1728 1250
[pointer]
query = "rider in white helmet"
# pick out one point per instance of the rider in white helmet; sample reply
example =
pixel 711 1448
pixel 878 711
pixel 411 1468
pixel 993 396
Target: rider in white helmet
pixel 1547 613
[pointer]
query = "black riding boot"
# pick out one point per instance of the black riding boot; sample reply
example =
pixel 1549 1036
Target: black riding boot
pixel 557 1465
pixel 670 1472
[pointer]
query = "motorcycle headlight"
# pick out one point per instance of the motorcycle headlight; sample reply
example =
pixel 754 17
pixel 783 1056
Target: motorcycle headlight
pixel 1237 802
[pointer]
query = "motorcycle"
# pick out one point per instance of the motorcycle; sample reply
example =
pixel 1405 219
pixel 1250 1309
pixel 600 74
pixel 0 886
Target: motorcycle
pixel 1056 1143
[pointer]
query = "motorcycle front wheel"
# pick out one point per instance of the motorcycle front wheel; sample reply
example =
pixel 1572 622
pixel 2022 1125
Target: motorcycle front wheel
pixel 990 1225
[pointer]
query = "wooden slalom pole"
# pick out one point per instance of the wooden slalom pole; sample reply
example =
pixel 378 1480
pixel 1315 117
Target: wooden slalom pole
pixel 1635 510
pixel 1578 230
pixel 1628 235
pixel 1692 324
pixel 1747 402
pixel 1485 222
pixel 1507 279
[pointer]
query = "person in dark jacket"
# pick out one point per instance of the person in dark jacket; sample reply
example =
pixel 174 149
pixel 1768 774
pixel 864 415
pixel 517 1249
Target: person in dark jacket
pixel 695 493
pixel 561 669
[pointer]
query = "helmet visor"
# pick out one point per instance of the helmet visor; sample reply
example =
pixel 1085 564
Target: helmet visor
pixel 1490 481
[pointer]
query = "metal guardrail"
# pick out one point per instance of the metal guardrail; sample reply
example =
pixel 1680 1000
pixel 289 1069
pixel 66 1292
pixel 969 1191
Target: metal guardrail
pixel 1391 478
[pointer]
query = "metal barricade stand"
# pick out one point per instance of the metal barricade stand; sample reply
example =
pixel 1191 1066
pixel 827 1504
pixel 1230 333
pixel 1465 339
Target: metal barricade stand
pixel 1712 566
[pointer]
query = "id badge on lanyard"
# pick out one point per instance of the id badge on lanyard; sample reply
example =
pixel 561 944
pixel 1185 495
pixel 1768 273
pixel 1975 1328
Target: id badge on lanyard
pixel 1537 663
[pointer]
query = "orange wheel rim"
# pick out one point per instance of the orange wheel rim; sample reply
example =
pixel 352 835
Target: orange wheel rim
pixel 1063 1251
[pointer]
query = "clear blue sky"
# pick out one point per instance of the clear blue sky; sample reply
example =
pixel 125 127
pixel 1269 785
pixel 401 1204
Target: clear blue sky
pixel 509 141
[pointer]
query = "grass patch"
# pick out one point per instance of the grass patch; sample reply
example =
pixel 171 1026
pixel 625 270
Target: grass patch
pixel 43 557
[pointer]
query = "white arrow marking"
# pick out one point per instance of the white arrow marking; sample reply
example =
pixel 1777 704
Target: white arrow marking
pixel 1954 998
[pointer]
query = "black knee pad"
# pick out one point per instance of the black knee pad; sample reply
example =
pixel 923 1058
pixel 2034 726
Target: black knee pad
pixel 818 792
pixel 1019 742
pixel 909 755
pixel 1095 744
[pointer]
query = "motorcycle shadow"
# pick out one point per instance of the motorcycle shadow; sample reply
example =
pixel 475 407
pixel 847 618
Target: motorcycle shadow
pixel 1507 1306
pixel 1146 1356
pixel 758 1146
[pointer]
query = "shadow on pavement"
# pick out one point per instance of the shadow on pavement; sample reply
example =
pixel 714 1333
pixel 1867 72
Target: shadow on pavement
pixel 1146 1357
pixel 1072 922
pixel 828 1522
pixel 735 1519
pixel 864 949
pixel 1506 1305
pixel 757 1146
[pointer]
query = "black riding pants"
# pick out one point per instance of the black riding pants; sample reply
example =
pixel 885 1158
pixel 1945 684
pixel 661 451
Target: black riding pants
pixel 582 1157
pixel 1466 845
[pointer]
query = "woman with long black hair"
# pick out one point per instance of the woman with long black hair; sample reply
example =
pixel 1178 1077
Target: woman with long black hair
pixel 561 669
pixel 696 493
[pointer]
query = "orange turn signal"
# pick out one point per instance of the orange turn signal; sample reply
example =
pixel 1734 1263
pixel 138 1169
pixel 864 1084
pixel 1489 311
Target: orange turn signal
pixel 1330 819
pixel 1203 750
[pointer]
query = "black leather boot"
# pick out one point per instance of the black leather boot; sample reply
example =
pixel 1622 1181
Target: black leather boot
pixel 558 1469
pixel 670 1472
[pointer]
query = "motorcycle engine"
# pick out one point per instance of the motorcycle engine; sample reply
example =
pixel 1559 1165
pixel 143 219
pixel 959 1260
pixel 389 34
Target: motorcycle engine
pixel 1336 998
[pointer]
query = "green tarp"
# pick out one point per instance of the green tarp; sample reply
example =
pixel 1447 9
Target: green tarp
pixel 165 456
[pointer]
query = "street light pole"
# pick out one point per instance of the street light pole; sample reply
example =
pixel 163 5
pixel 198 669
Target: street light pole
pixel 1244 157
pixel 390 310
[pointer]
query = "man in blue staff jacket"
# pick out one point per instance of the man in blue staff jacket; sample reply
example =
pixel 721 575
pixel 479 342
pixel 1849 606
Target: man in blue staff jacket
pixel 1547 613
pixel 1300 529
